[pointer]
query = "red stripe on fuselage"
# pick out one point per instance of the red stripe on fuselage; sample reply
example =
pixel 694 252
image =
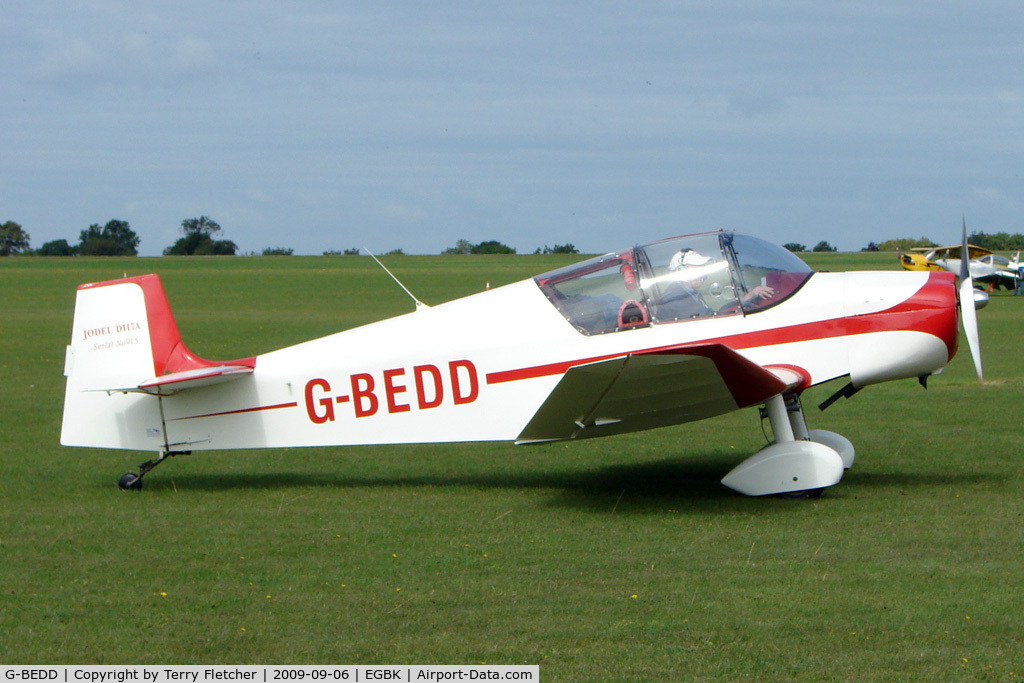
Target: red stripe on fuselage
pixel 257 409
pixel 927 311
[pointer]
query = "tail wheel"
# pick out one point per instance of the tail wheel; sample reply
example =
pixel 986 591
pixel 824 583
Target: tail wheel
pixel 130 482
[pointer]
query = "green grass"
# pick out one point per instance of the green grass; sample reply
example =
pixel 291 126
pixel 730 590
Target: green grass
pixel 605 560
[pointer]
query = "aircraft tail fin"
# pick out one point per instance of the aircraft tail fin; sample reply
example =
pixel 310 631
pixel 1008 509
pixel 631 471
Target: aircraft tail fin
pixel 125 344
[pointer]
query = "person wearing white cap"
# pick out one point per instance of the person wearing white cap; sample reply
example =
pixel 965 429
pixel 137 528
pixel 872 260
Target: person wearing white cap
pixel 682 298
pixel 686 258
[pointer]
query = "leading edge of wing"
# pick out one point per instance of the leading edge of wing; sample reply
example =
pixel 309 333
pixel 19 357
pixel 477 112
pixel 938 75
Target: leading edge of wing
pixel 653 389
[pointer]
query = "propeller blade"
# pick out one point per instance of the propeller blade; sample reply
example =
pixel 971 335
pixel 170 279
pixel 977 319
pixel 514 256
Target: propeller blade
pixel 968 311
pixel 965 267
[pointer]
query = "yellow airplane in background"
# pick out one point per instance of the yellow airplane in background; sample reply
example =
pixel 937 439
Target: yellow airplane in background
pixel 939 258
pixel 987 269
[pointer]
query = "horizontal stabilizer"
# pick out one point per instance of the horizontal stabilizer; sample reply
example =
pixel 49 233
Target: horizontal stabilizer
pixel 646 390
pixel 192 379
pixel 176 382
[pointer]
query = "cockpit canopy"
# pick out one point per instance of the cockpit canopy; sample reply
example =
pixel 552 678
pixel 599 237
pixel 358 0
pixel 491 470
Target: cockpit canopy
pixel 678 279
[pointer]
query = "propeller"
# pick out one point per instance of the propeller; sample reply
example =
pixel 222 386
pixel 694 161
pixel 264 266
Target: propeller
pixel 968 312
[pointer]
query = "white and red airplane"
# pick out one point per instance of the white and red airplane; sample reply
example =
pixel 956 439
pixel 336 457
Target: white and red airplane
pixel 660 334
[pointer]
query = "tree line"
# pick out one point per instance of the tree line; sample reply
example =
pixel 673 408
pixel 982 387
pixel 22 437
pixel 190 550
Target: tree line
pixel 797 248
pixel 1000 241
pixel 200 237
pixel 116 238
pixel 465 247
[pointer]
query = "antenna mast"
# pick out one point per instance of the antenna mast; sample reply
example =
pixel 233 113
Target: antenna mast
pixel 419 304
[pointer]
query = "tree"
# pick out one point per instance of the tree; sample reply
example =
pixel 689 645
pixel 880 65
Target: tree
pixel 462 247
pixel 905 244
pixel 198 240
pixel 492 247
pixel 200 244
pixel 278 251
pixel 871 247
pixel 57 248
pixel 558 249
pixel 1001 241
pixel 823 246
pixel 13 239
pixel 217 248
pixel 116 238
pixel 794 247
pixel 203 225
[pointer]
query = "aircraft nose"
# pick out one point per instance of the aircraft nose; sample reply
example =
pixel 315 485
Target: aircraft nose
pixel 907 324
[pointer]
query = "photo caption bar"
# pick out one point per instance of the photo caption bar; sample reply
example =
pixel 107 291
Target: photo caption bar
pixel 267 673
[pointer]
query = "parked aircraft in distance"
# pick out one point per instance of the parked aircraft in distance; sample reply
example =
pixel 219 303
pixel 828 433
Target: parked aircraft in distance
pixel 987 268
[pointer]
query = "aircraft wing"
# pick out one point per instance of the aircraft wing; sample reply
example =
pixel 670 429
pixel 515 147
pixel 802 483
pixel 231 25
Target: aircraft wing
pixel 1006 274
pixel 954 251
pixel 653 389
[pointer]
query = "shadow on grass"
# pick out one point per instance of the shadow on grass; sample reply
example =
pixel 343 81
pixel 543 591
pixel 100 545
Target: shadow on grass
pixel 675 483
pixel 675 478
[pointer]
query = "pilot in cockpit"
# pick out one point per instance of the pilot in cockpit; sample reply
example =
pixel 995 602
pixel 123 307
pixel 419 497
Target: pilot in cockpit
pixel 682 299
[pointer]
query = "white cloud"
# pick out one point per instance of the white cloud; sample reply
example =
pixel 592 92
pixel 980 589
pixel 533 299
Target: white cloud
pixel 992 195
pixel 192 54
pixel 64 58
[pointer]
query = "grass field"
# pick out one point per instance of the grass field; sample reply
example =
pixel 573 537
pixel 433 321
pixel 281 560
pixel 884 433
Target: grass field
pixel 606 560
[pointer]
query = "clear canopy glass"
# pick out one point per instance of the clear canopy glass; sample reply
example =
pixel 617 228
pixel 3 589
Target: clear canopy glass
pixel 674 280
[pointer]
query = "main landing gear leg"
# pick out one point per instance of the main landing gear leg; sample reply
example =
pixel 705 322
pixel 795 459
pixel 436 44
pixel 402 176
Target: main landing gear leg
pixel 837 442
pixel 133 482
pixel 795 464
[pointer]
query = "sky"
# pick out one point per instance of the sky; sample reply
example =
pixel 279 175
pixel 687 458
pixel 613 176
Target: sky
pixel 411 125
